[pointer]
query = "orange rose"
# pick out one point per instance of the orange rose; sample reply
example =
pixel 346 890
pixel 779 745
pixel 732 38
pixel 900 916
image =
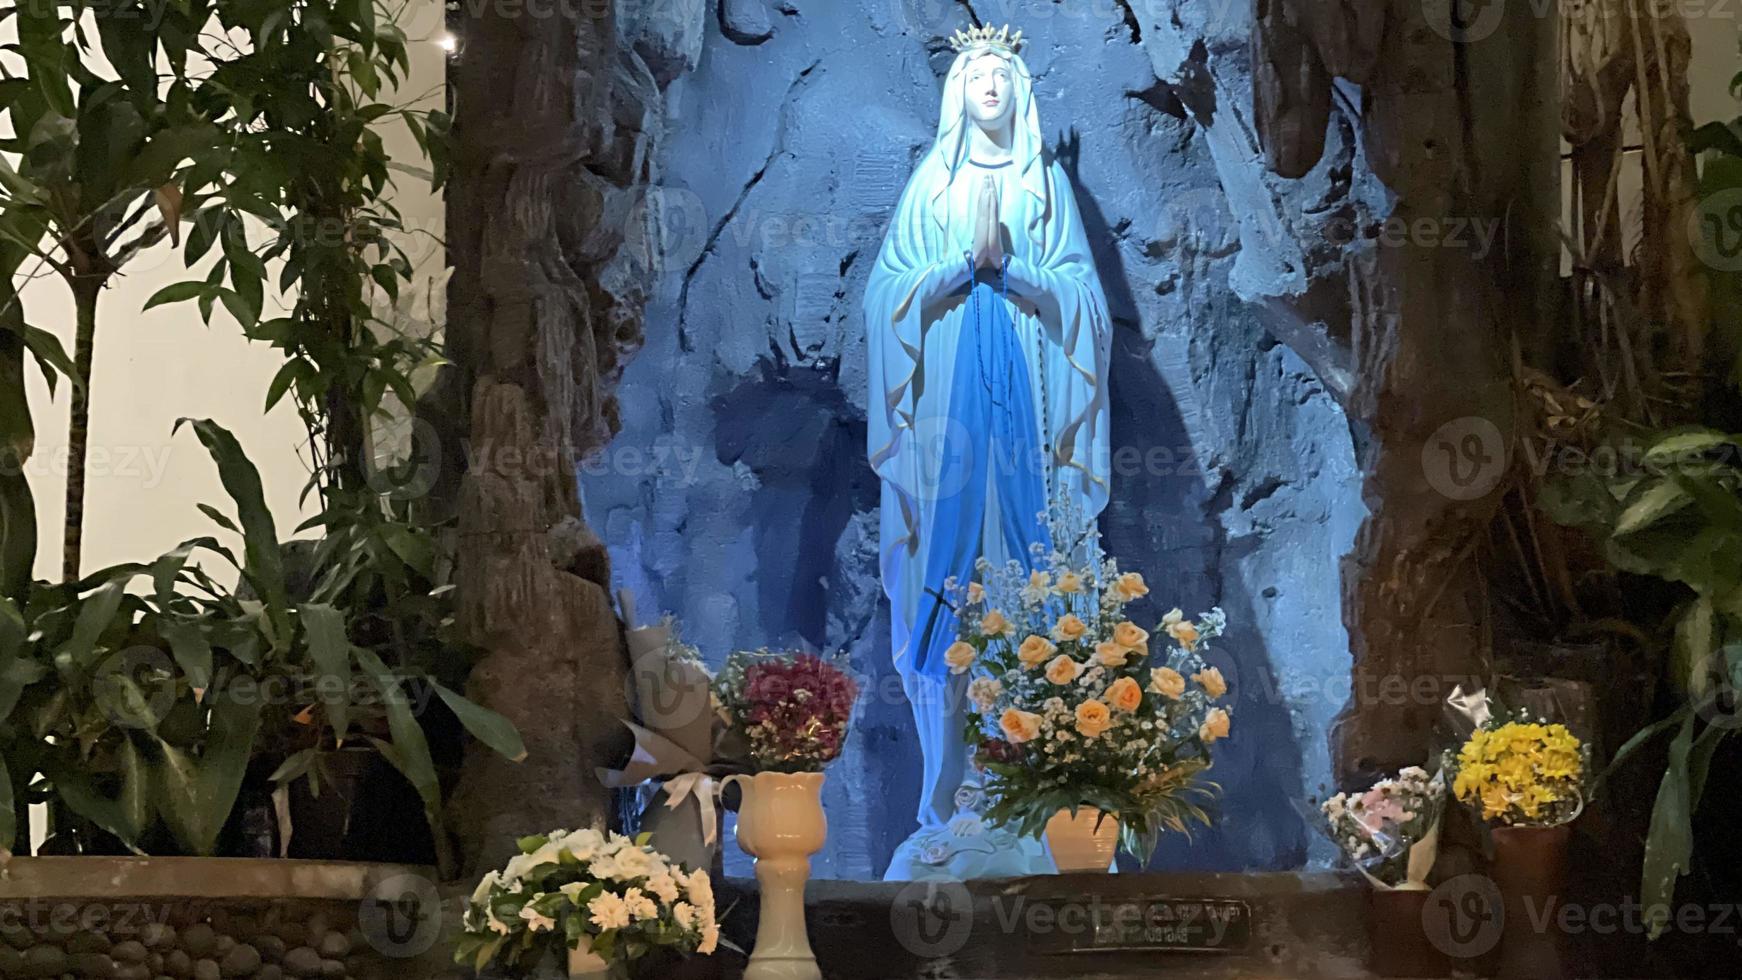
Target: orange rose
pixel 960 656
pixel 1210 679
pixel 1019 726
pixel 1130 586
pixel 1125 694
pixel 1093 718
pixel 994 624
pixel 1131 636
pixel 1063 670
pixel 1185 633
pixel 1069 583
pixel 976 592
pixel 1215 726
pixel 1035 651
pixel 1167 682
pixel 1069 627
pixel 1110 654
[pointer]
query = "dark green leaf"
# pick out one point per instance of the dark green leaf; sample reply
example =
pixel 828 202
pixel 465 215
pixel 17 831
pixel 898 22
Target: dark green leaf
pixel 96 614
pixel 177 292
pixel 330 649
pixel 1669 844
pixel 409 750
pixel 195 794
pixel 8 809
pixel 264 564
pixel 191 649
pixel 49 354
pixel 487 726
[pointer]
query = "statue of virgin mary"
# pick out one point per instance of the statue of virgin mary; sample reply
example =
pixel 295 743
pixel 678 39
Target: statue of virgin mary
pixel 988 337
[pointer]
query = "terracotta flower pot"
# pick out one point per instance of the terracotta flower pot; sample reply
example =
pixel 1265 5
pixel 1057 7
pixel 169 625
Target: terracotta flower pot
pixel 1399 943
pixel 1530 871
pixel 781 824
pixel 1079 845
pixel 584 964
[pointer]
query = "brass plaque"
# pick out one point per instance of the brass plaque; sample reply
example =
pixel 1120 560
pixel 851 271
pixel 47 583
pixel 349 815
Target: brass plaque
pixel 1102 925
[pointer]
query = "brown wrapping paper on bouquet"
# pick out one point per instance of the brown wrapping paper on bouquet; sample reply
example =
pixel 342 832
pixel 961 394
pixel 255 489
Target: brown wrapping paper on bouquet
pixel 678 745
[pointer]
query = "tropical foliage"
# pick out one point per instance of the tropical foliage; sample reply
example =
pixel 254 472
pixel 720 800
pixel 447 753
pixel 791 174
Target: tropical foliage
pixel 135 697
pixel 1677 517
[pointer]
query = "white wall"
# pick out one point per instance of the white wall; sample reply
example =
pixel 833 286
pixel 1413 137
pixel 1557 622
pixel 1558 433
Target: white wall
pixel 154 367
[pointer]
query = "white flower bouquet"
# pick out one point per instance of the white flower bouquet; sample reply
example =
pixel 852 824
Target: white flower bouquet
pixel 1069 706
pixel 1390 832
pixel 587 891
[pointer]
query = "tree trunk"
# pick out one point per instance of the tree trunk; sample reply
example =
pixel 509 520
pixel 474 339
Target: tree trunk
pixel 552 119
pixel 87 288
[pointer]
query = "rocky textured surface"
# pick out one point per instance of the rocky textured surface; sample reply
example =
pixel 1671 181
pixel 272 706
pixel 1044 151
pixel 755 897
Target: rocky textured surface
pixel 738 497
pixel 141 939
pixel 557 114
pixel 1407 125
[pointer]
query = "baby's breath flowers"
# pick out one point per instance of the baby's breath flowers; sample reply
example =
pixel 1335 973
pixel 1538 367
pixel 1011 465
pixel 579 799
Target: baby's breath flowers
pixel 1072 703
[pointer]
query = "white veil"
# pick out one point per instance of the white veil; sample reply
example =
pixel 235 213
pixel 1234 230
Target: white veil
pixel 1027 148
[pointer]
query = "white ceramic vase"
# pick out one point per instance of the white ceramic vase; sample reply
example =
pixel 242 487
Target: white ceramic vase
pixel 584 964
pixel 1078 845
pixel 781 824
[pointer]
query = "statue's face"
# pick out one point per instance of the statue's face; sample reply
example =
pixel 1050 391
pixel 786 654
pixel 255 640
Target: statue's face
pixel 989 91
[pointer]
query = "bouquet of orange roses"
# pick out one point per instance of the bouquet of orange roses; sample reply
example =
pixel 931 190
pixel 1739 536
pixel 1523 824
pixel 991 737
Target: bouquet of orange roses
pixel 1073 705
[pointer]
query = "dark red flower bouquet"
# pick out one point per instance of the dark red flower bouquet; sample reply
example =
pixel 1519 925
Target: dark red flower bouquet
pixel 791 710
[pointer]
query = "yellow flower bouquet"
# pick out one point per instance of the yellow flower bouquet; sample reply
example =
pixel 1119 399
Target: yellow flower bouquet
pixel 1072 704
pixel 1522 773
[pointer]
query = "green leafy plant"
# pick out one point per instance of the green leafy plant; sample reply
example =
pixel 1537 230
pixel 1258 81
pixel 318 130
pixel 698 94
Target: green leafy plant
pixel 258 129
pixel 143 707
pixel 103 167
pixel 1677 518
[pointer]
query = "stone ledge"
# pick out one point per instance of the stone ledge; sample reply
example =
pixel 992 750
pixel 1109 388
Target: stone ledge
pixel 1308 925
pixel 187 877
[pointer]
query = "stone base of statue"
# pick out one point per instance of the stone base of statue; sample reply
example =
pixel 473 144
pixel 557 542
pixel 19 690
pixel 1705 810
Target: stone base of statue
pixel 943 855
pixel 968 848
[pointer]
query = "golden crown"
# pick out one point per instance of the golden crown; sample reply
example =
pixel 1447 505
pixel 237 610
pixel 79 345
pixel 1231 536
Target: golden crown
pixel 989 37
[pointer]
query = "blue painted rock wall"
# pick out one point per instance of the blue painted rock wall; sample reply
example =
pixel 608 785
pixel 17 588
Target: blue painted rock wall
pixel 738 497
